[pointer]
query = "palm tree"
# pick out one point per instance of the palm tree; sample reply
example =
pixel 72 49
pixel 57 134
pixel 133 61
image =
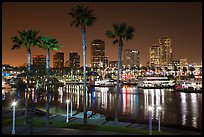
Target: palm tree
pixel 83 17
pixel 48 44
pixel 27 38
pixel 121 31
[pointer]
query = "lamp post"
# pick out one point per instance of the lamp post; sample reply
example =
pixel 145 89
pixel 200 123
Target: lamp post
pixel 67 111
pixel 150 119
pixel 159 111
pixel 13 126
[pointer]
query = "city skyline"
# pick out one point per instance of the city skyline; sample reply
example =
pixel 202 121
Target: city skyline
pixel 180 21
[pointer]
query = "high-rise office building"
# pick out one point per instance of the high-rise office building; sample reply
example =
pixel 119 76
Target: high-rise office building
pixel 39 64
pixel 58 60
pixel 165 51
pixel 74 60
pixel 161 53
pixel 131 58
pixel 154 52
pixel 39 60
pixel 98 58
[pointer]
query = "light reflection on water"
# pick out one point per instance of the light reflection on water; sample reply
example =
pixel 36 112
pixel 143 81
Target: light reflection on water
pixel 177 107
pixel 194 108
pixel 183 108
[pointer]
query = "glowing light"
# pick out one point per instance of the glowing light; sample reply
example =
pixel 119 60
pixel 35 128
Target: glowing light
pixel 150 108
pixel 159 108
pixel 14 103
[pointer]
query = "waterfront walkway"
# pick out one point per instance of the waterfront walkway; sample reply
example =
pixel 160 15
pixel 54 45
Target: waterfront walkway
pixel 22 130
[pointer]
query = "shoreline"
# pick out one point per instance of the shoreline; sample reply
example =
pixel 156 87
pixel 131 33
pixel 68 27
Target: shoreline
pixel 155 123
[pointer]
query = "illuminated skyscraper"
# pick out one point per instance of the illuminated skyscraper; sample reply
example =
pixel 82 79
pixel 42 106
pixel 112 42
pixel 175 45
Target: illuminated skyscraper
pixel 39 64
pixel 131 58
pixel 165 51
pixel 98 58
pixel 39 60
pixel 74 60
pixel 161 53
pixel 154 52
pixel 58 60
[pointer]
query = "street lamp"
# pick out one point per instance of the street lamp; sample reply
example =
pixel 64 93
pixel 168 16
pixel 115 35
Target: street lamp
pixel 13 126
pixel 150 108
pixel 159 111
pixel 67 111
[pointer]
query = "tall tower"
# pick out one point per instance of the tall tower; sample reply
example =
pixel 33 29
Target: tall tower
pixel 58 60
pixel 74 60
pixel 39 64
pixel 131 58
pixel 154 52
pixel 39 60
pixel 165 50
pixel 98 58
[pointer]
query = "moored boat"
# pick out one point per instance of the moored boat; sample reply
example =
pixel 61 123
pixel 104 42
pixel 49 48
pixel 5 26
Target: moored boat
pixel 103 83
pixel 191 86
pixel 155 82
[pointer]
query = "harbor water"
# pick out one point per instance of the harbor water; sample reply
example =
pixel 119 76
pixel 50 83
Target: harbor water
pixel 178 108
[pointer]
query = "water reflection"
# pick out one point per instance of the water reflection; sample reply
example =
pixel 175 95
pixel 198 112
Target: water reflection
pixel 154 98
pixel 183 108
pixel 177 107
pixel 194 109
pixel 125 100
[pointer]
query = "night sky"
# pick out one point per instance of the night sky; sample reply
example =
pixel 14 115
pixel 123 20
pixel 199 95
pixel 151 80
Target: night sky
pixel 182 22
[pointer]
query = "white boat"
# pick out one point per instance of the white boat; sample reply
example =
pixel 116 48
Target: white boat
pixel 105 82
pixel 155 82
pixel 189 84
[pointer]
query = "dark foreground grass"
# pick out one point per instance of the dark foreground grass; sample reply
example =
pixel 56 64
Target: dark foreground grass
pixel 59 124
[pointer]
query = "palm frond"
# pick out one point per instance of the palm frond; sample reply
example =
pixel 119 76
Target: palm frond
pixel 115 28
pixel 129 33
pixel 110 34
pixel 115 41
pixel 17 42
pixel 15 46
pixel 26 38
pixel 46 42
pixel 82 16
pixel 122 28
pixel 56 47
pixel 120 31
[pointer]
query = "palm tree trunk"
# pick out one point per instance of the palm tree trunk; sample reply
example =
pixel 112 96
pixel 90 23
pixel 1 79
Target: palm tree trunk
pixel 27 85
pixel 83 31
pixel 118 77
pixel 26 102
pixel 48 75
pixel 31 123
